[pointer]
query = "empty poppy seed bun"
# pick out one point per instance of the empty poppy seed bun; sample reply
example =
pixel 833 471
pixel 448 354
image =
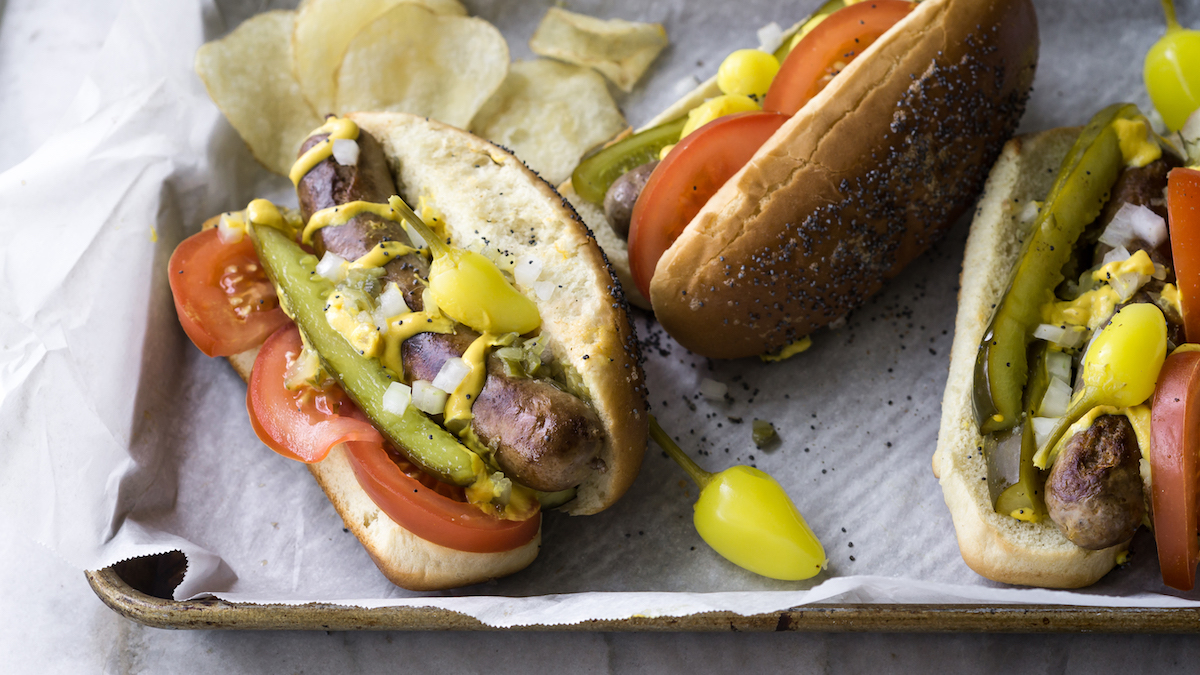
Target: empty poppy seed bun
pixel 483 191
pixel 865 177
pixel 997 546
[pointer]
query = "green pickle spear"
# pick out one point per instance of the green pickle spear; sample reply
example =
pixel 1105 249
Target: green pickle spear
pixel 1088 173
pixel 745 516
pixel 594 175
pixel 303 294
pixel 1024 500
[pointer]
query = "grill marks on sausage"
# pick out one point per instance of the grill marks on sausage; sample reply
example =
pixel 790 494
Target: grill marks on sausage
pixel 1094 492
pixel 541 436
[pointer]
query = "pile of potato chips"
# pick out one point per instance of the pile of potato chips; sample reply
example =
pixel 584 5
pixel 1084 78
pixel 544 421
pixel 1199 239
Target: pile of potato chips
pixel 278 74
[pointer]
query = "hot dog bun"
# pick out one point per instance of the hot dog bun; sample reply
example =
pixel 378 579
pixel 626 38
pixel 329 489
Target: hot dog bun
pixel 404 558
pixel 999 547
pixel 483 191
pixel 855 185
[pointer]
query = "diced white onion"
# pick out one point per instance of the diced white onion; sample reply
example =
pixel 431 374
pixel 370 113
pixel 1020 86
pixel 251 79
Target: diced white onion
pixel 428 398
pixel 1135 222
pixel 1068 337
pixel 1118 254
pixel 345 151
pixel 1058 365
pixel 1042 426
pixel 544 290
pixel 429 302
pixel 1127 284
pixel 713 390
pixel 332 267
pixel 229 230
pixel 1160 272
pixel 1029 213
pixel 770 37
pixel 396 398
pixel 528 270
pixel 417 240
pixel 391 302
pixel 1056 400
pixel 451 374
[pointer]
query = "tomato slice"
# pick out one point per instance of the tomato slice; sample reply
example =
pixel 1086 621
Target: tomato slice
pixel 1175 468
pixel 430 515
pixel 222 295
pixel 1183 209
pixel 691 173
pixel 305 424
pixel 828 49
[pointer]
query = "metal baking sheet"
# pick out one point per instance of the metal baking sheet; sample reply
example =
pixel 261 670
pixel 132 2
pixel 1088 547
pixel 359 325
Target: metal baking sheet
pixel 858 413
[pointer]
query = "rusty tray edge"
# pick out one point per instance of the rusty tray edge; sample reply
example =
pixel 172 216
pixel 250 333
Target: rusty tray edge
pixel 156 612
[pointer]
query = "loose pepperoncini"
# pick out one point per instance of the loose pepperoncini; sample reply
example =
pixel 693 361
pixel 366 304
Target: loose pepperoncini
pixel 746 516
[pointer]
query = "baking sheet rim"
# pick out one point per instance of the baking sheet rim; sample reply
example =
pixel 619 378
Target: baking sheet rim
pixel 145 609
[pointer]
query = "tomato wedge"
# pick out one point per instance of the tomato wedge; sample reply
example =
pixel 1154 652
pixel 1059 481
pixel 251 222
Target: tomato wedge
pixel 1175 467
pixel 1183 207
pixel 222 295
pixel 691 173
pixel 828 49
pixel 429 514
pixel 305 424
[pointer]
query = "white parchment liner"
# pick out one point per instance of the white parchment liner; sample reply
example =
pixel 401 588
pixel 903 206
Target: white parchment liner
pixel 121 440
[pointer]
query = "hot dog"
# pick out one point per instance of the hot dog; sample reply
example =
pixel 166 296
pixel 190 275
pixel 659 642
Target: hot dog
pixel 560 419
pixel 744 251
pixel 1049 464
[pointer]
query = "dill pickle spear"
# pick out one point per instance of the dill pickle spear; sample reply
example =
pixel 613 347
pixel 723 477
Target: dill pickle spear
pixel 1087 174
pixel 303 295
pixel 594 175
pixel 1023 499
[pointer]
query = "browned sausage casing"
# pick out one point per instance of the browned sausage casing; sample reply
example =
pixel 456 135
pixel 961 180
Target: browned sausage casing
pixel 541 436
pixel 1094 492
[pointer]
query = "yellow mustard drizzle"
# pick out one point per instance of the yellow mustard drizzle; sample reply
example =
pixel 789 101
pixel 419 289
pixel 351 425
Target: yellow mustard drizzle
pixel 363 336
pixel 458 407
pixel 402 327
pixel 1089 309
pixel 1138 262
pixel 1138 148
pixel 338 128
pixel 432 216
pixel 340 215
pixel 382 254
pixel 1169 297
pixel 789 350
pixel 1138 416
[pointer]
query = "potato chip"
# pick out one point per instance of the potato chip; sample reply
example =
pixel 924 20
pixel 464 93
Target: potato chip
pixel 324 29
pixel 621 50
pixel 248 74
pixel 411 60
pixel 549 114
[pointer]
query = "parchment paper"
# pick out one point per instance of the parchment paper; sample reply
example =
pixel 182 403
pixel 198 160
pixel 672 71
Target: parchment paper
pixel 120 439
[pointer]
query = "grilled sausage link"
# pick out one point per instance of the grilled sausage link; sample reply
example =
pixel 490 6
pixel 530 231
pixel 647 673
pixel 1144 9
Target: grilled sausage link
pixel 1094 492
pixel 541 436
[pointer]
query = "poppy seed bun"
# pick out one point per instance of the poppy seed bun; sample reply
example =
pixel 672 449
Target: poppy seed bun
pixel 865 177
pixel 485 192
pixel 404 558
pixel 997 546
